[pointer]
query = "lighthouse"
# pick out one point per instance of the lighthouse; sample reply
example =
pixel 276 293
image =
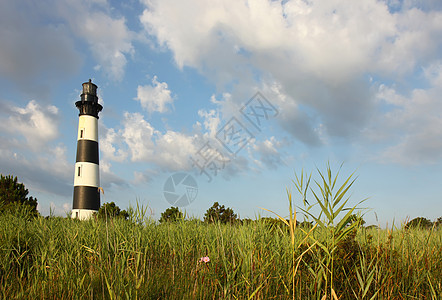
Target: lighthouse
pixel 87 175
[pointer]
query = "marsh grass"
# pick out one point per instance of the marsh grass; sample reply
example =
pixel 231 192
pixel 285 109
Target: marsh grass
pixel 58 258
pixel 61 258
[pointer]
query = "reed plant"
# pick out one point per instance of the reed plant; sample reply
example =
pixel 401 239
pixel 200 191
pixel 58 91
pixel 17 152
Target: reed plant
pixel 62 258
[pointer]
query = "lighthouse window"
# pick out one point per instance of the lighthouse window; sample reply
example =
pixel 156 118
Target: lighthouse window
pixel 81 133
pixel 79 171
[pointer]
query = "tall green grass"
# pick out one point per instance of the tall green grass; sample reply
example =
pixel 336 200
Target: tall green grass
pixel 61 258
pixel 58 258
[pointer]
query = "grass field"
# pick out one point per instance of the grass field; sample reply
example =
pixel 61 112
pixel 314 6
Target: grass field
pixel 60 258
pixel 337 258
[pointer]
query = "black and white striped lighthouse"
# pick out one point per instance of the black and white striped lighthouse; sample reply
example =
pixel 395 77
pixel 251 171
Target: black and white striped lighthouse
pixel 87 175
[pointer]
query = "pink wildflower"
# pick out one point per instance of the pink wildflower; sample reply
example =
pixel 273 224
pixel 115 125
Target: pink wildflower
pixel 204 259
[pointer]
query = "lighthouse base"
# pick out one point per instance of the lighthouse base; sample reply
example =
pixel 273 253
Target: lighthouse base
pixel 83 214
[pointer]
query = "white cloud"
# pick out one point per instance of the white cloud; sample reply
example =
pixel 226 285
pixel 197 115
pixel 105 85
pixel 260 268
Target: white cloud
pixel 155 97
pixel 109 140
pixel 29 149
pixel 109 38
pixel 36 124
pixel 333 40
pixel 168 151
pixel 43 41
pixel 411 126
pixel 211 121
pixel 268 152
pixel 318 54
pixel 138 134
pixel 174 150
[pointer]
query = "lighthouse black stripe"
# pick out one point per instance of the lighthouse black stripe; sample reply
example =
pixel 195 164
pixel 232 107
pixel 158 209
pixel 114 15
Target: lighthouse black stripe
pixel 87 151
pixel 86 197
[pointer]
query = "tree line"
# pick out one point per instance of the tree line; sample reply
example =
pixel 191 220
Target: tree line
pixel 14 196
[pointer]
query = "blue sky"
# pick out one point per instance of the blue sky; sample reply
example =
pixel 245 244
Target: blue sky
pixel 357 82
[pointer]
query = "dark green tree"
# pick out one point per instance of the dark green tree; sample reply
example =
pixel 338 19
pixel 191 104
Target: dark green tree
pixel 13 193
pixel 171 214
pixel 438 222
pixel 419 222
pixel 218 213
pixel 111 210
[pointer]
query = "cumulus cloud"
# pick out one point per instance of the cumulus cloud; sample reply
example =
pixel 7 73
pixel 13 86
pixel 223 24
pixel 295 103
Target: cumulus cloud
pixel 174 150
pixel 108 37
pixel 167 151
pixel 155 97
pixel 111 144
pixel 333 40
pixel 139 142
pixel 29 148
pixel 319 62
pixel 34 50
pixel 36 124
pixel 138 134
pixel 211 121
pixel 410 126
pixel 268 152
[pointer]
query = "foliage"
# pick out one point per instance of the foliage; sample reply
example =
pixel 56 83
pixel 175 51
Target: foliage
pixel 354 218
pixel 372 227
pixel 438 222
pixel 305 224
pixel 274 224
pixel 61 258
pixel 419 222
pixel 218 213
pixel 111 210
pixel 336 219
pixel 171 214
pixel 13 193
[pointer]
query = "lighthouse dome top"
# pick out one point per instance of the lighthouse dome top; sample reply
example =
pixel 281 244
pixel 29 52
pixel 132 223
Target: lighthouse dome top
pixel 89 88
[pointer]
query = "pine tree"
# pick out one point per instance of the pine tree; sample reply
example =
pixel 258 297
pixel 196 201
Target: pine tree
pixel 171 214
pixel 218 213
pixel 111 210
pixel 13 193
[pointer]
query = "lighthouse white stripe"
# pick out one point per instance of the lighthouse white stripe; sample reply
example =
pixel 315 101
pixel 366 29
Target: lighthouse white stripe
pixel 82 214
pixel 87 174
pixel 88 128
